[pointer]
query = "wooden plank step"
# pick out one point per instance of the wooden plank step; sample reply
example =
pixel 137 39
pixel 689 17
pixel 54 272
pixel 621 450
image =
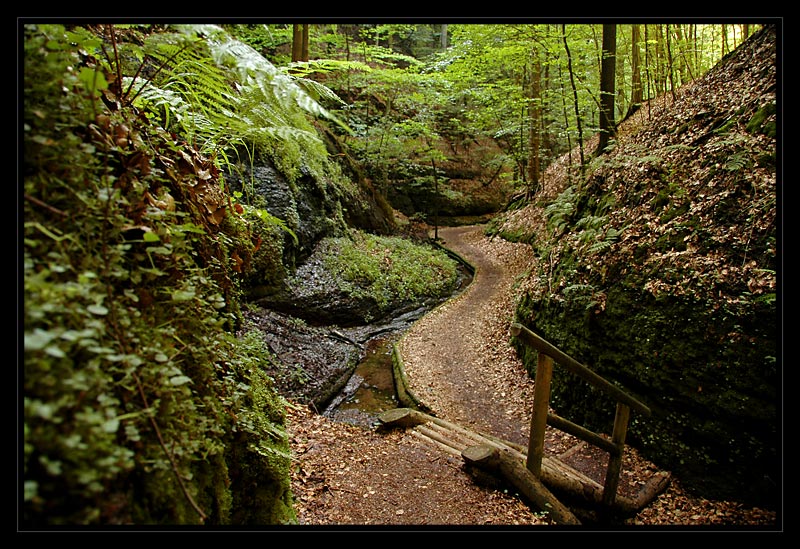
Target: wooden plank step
pixel 457 437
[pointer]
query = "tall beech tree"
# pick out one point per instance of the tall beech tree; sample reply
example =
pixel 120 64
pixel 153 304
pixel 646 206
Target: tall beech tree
pixel 607 86
pixel 636 73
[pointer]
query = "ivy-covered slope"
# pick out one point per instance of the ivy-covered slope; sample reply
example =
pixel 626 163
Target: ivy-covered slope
pixel 139 406
pixel 659 270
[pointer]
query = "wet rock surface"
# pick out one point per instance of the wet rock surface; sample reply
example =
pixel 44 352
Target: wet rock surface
pixel 320 346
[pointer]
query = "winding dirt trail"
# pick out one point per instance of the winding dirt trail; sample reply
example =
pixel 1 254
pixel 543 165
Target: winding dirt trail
pixel 457 358
pixel 458 361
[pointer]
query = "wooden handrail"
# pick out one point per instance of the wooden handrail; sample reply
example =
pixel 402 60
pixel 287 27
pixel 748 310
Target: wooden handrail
pixel 543 346
pixel 541 416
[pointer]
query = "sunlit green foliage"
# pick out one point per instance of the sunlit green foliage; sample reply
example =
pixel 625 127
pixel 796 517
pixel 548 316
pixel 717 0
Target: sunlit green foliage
pixel 389 269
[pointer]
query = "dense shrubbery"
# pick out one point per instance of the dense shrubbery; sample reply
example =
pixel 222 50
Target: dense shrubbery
pixel 139 404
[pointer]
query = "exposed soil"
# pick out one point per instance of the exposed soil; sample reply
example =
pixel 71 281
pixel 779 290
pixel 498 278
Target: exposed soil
pixel 459 362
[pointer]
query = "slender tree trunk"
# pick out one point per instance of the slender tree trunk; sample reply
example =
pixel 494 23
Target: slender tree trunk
pixel 660 77
pixel 297 43
pixel 636 74
pixel 607 86
pixel 670 69
pixel 534 133
pixel 521 154
pixel 435 202
pixel 724 39
pixel 565 111
pixel 647 68
pixel 304 50
pixel 684 45
pixel 574 95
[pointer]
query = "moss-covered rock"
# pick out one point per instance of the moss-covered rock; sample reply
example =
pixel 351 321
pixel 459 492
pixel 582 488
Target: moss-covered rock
pixel 710 378
pixel 362 278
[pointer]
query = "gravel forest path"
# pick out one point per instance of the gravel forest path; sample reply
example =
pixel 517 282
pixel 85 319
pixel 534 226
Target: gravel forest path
pixel 457 358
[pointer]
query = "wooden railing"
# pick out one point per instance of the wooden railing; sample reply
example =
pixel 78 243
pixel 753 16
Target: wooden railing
pixel 542 416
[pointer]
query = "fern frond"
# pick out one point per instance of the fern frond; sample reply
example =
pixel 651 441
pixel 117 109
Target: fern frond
pixel 188 88
pixel 301 69
pixel 318 91
pixel 223 92
pixel 578 289
pixel 612 236
pixel 561 209
pixel 252 70
pixel 737 161
pixel 598 247
pixel 591 222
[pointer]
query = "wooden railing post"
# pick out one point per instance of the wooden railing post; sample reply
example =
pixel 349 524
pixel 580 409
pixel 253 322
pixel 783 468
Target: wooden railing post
pixel 615 459
pixel 541 411
pixel 541 407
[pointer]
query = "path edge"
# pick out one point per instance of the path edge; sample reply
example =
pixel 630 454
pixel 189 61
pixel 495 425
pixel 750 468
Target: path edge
pixel 404 394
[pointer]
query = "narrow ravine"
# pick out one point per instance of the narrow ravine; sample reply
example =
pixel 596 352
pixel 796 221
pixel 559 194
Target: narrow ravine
pixel 345 474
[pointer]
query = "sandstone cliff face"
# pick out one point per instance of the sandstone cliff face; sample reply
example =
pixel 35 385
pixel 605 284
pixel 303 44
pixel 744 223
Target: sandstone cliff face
pixel 471 183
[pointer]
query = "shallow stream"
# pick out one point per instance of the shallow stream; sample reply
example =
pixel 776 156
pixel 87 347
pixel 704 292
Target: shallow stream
pixel 371 388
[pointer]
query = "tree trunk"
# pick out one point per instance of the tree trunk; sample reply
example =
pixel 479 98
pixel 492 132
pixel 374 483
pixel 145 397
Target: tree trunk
pixel 636 75
pixel 304 48
pixel 574 96
pixel 297 43
pixel 534 120
pixel 670 68
pixel 607 86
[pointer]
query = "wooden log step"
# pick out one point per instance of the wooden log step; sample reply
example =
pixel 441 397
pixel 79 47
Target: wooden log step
pixel 464 437
pixel 515 473
pixel 555 474
pixel 440 437
pixel 449 449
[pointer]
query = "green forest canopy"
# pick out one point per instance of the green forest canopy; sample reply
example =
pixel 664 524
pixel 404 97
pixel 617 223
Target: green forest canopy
pixel 494 80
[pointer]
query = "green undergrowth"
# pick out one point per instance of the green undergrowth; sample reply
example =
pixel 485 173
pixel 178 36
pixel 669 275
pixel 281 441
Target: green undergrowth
pixel 390 270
